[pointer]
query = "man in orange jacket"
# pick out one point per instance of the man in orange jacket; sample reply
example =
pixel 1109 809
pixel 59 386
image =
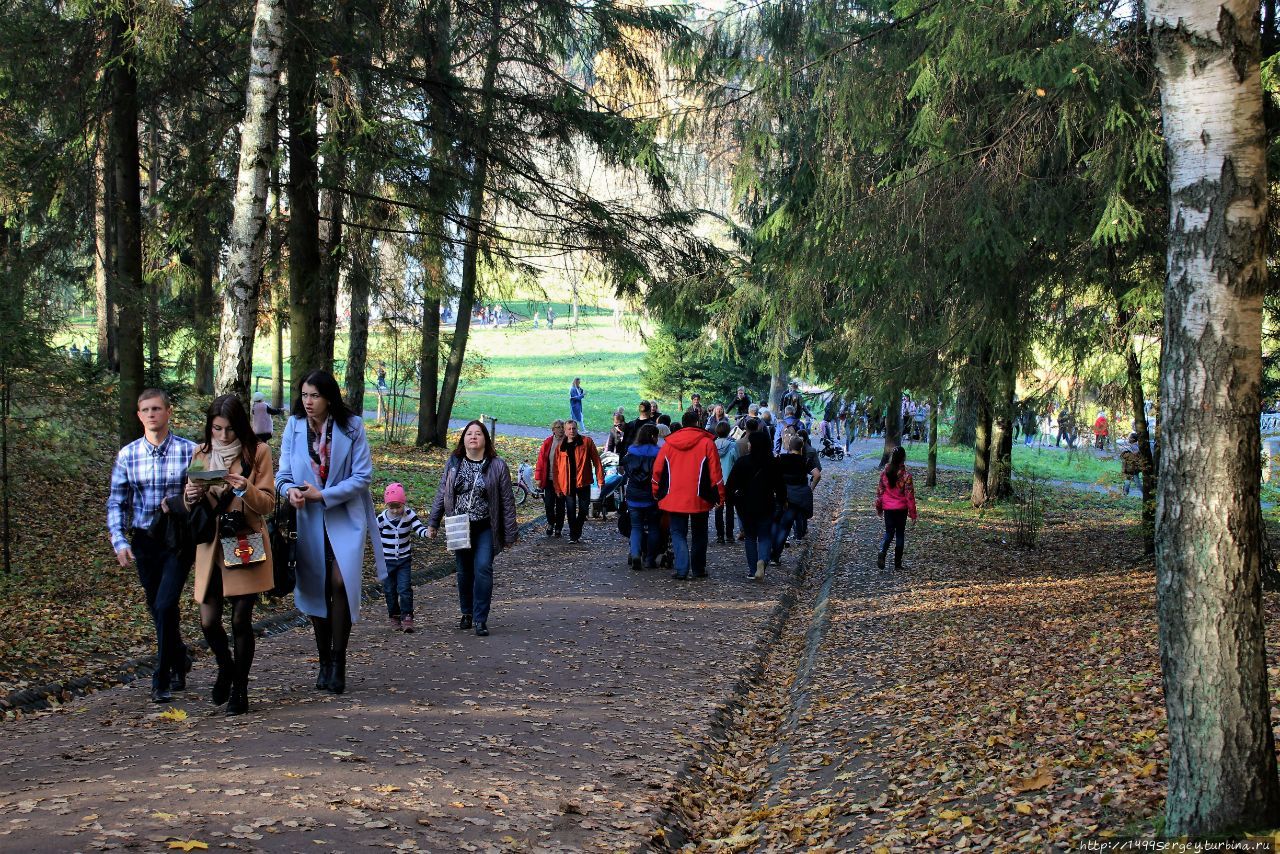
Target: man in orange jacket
pixel 688 483
pixel 574 462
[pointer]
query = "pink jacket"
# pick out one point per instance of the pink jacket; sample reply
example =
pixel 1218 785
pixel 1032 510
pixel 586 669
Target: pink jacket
pixel 900 497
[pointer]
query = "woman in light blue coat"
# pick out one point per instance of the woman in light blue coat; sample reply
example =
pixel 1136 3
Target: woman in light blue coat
pixel 325 471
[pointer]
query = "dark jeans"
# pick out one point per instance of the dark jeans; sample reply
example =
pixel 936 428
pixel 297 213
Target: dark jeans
pixel 645 533
pixel 475 573
pixel 398 587
pixel 758 540
pixel 782 527
pixel 895 526
pixel 724 521
pixel 801 525
pixel 162 575
pixel 553 504
pixel 576 504
pixel 689 542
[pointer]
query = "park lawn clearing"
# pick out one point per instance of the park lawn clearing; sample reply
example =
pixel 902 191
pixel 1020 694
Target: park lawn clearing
pixel 1079 466
pixel 72 611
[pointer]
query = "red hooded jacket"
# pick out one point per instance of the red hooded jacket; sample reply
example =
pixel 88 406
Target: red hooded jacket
pixel 687 477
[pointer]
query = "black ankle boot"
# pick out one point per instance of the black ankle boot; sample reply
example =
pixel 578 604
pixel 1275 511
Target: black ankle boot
pixel 238 704
pixel 897 558
pixel 222 685
pixel 338 673
pixel 880 558
pixel 325 676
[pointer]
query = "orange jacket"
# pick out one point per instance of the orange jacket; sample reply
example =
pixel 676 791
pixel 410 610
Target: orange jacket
pixel 586 457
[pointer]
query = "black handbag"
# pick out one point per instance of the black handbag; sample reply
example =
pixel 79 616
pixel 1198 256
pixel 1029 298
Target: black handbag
pixel 283 529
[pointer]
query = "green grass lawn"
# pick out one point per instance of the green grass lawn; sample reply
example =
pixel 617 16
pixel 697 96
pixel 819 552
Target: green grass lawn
pixel 1080 466
pixel 528 370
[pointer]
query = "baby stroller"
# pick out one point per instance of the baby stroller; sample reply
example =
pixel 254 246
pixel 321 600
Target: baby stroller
pixel 608 496
pixel 830 450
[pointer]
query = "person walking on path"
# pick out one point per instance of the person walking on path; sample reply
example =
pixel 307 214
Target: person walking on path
pixel 1100 431
pixel 646 416
pixel 641 505
pixel 263 427
pixel 717 416
pixel 616 443
pixel 381 389
pixel 477 481
pixel 756 491
pixel 695 404
pixel 896 502
pixel 728 450
pixel 148 478
pixel 325 471
pixel 397 525
pixel 551 318
pixel 688 483
pixel 576 394
pixel 741 402
pixel 248 497
pixel 575 461
pixel 544 474
pixel 793 469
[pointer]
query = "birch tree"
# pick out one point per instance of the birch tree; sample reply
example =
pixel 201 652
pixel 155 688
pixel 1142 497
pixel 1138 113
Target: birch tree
pixel 249 214
pixel 1222 764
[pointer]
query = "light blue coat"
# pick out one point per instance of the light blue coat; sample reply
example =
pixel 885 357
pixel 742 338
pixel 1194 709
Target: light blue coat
pixel 346 513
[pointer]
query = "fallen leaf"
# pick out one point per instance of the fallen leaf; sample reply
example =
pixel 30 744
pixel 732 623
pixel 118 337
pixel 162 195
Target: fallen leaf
pixel 1040 780
pixel 188 845
pixel 173 714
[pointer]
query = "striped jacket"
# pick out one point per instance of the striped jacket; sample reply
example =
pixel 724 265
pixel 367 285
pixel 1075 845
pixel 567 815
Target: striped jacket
pixel 397 542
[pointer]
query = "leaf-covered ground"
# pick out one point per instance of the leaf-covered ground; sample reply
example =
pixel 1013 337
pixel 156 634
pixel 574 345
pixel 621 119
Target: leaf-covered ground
pixel 984 698
pixel 71 611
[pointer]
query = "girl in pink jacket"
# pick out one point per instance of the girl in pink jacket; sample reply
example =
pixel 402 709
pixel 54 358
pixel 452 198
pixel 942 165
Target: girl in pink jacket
pixel 896 501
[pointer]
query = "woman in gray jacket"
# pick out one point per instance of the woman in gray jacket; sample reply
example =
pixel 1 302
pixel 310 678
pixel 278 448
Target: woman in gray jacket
pixel 477 482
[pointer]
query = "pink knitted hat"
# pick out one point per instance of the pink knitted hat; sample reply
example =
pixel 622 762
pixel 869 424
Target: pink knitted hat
pixel 394 494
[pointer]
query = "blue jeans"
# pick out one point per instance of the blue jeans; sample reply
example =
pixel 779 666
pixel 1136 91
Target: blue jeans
pixel 759 536
pixel 645 536
pixel 690 547
pixel 782 527
pixel 398 587
pixel 475 573
pixel 162 575
pixel 801 525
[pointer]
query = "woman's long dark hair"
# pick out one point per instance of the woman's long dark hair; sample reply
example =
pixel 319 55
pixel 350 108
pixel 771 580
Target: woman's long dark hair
pixel 229 407
pixel 460 450
pixel 897 461
pixel 758 445
pixel 328 388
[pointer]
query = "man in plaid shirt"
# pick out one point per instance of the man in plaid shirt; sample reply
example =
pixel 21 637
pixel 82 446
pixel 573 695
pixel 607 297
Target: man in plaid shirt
pixel 146 472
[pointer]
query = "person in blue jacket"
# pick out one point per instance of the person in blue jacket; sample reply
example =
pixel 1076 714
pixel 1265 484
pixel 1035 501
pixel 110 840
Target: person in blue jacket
pixel 325 471
pixel 642 507
pixel 576 394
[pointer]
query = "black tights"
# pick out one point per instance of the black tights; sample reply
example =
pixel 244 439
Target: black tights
pixel 333 631
pixel 241 626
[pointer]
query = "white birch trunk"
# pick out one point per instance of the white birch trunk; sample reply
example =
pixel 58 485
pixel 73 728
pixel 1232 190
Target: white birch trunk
pixel 249 215
pixel 1222 765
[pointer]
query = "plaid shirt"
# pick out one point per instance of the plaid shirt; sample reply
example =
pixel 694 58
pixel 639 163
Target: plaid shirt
pixel 142 476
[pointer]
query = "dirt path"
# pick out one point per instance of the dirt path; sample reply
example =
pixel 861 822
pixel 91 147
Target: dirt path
pixel 566 729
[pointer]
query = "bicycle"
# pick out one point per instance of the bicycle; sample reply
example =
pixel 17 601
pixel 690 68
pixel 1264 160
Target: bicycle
pixel 524 485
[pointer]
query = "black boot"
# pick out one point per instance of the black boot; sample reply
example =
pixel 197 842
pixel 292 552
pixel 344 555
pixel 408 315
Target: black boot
pixel 338 673
pixel 222 685
pixel 880 557
pixel 239 702
pixel 897 558
pixel 325 676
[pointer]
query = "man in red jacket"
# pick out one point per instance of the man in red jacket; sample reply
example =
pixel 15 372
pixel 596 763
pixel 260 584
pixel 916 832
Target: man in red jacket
pixel 688 483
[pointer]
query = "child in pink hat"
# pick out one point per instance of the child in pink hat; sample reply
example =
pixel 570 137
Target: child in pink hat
pixel 398 525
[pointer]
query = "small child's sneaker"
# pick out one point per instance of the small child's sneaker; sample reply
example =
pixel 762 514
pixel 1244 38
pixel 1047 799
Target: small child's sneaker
pixel 406 623
pixel 396 623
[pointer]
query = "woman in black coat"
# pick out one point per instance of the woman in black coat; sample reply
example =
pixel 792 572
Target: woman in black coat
pixel 755 488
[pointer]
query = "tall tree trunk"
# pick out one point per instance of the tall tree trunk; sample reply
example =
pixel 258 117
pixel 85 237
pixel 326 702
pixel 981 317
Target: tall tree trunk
pixel 931 477
pixel 126 223
pixel 1222 762
pixel 249 211
pixel 892 424
pixel 777 382
pixel 274 276
pixel 203 259
pixel 965 424
pixel 981 447
pixel 1000 470
pixel 306 349
pixel 155 370
pixel 434 279
pixel 104 253
pixel 359 280
pixel 1138 408
pixel 475 213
